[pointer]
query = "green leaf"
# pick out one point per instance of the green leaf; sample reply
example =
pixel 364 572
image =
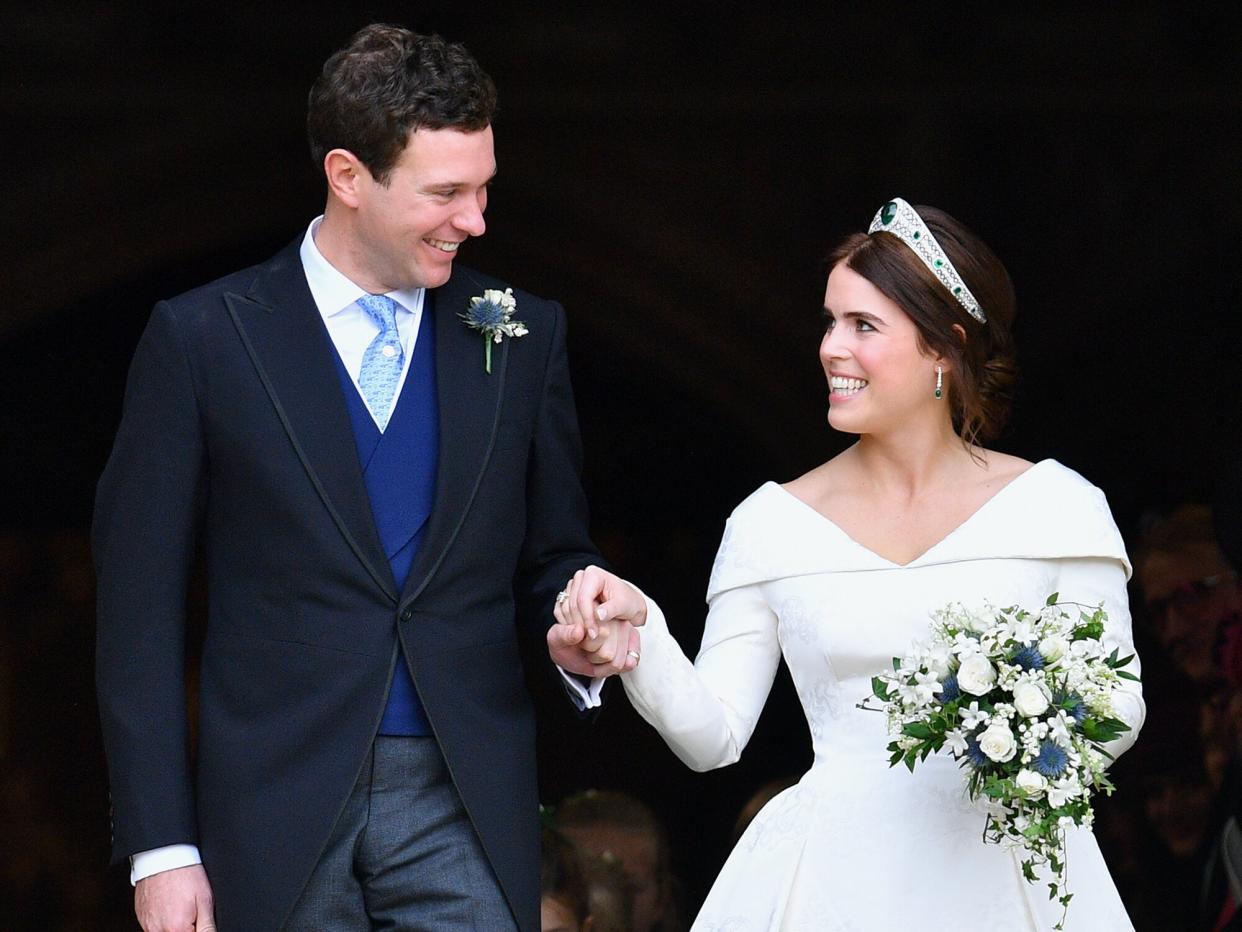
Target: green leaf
pixel 1052 599
pixel 917 730
pixel 1028 871
pixel 1126 675
pixel 911 758
pixel 879 688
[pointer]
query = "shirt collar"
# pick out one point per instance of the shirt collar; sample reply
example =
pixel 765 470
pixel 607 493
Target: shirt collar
pixel 332 290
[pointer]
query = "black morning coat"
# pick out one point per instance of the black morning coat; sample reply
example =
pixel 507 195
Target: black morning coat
pixel 235 438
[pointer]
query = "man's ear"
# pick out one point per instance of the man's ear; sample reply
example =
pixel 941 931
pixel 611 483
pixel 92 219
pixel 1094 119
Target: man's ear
pixel 346 175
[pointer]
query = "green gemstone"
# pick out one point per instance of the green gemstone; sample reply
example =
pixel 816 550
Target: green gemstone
pixel 938 264
pixel 957 290
pixel 939 393
pixel 888 212
pixel 918 234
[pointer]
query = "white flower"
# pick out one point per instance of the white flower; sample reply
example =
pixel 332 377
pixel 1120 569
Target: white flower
pixel 976 675
pixel 998 743
pixel 972 717
pixel 938 661
pixel 955 740
pixel 1030 781
pixel 1053 647
pixel 1030 699
pixel 1060 727
pixel 1063 791
pixel 1023 632
pixel 976 621
pixel 1088 649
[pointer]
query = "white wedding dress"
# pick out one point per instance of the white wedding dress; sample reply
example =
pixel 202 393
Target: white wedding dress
pixel 856 845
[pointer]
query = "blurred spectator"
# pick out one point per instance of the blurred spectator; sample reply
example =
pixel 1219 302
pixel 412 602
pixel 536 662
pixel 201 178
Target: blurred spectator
pixel 563 904
pixel 604 824
pixel 1163 823
pixel 1190 593
pixel 608 893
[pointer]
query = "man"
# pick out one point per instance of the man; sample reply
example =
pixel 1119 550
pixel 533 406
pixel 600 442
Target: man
pixel 379 491
pixel 1191 594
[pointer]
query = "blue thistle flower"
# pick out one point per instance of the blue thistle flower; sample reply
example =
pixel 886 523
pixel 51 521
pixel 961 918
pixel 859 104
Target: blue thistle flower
pixel 1028 657
pixel 949 690
pixel 1052 760
pixel 484 315
pixel 975 754
pixel 1072 703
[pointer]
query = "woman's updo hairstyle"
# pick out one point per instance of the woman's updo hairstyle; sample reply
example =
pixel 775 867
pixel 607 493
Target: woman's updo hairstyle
pixel 981 373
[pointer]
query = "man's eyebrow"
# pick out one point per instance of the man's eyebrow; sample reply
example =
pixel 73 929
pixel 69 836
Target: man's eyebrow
pixel 447 184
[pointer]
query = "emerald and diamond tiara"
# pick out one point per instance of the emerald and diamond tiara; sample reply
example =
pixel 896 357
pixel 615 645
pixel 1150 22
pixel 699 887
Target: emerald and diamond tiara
pixel 903 221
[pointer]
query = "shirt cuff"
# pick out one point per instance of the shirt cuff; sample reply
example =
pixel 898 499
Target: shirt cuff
pixel 584 692
pixel 157 860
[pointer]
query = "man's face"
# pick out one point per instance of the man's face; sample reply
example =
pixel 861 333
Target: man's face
pixel 407 231
pixel 1186 617
pixel 636 852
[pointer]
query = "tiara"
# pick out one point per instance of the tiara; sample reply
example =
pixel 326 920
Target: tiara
pixel 903 221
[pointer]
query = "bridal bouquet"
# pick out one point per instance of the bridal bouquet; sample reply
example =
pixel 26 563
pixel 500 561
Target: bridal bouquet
pixel 1023 700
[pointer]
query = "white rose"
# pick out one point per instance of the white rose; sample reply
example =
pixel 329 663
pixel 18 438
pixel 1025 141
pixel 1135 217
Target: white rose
pixel 1029 699
pixel 998 743
pixel 1053 647
pixel 1030 781
pixel 976 675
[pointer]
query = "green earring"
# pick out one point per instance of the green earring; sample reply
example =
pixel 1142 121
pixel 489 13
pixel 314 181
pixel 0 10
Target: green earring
pixel 939 382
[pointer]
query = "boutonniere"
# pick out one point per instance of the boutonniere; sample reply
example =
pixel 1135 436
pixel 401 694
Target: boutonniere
pixel 491 313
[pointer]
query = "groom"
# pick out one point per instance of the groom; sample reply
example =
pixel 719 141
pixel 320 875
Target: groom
pixel 378 501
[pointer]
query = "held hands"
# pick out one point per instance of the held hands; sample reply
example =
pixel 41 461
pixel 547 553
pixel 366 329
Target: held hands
pixel 178 900
pixel 595 625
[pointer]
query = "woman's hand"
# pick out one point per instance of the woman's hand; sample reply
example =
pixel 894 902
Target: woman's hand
pixel 596 614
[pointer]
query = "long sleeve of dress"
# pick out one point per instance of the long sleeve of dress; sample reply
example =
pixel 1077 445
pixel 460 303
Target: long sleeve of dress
pixel 706 711
pixel 1090 582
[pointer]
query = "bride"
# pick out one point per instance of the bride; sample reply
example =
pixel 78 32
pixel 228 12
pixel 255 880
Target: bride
pixel 837 572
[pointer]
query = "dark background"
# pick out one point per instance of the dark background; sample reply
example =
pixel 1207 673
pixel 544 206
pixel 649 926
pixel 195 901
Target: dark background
pixel 674 175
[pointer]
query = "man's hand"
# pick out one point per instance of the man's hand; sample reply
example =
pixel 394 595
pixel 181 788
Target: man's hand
pixel 175 901
pixel 594 634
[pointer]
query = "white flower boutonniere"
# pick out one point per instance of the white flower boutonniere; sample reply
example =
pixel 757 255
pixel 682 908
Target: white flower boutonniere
pixel 491 313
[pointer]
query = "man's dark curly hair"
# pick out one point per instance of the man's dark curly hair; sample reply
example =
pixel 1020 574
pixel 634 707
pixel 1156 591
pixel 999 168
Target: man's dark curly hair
pixel 388 82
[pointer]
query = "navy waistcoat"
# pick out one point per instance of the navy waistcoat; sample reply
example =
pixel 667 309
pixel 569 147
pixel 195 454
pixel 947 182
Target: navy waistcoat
pixel 399 468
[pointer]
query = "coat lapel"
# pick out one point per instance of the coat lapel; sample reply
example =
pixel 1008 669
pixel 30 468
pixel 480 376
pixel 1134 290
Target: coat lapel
pixel 470 401
pixel 284 335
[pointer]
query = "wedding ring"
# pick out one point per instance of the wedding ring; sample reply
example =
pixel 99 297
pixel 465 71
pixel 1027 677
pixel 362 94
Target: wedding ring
pixel 632 653
pixel 561 597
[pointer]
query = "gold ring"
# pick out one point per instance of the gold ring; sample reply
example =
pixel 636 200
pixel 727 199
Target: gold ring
pixel 632 653
pixel 561 597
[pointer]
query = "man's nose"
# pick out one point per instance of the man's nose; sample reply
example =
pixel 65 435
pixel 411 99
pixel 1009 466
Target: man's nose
pixel 470 219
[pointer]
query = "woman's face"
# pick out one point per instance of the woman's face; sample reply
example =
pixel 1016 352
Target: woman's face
pixel 878 377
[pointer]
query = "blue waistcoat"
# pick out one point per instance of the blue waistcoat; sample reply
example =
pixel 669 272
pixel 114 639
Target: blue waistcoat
pixel 399 468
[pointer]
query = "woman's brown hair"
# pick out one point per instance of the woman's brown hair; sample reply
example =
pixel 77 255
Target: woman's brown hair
pixel 982 371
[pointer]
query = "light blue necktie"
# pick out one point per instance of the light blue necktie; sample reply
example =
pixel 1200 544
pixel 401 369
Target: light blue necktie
pixel 384 358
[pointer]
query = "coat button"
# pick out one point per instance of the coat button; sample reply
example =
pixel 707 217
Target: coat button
pixel 407 614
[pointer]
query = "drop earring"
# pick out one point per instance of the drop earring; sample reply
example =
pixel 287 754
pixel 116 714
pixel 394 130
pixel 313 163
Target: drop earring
pixel 939 382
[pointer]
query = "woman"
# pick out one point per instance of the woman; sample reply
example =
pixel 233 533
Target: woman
pixel 838 570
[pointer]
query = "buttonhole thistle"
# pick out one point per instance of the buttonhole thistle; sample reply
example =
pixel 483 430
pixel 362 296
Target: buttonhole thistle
pixel 491 314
